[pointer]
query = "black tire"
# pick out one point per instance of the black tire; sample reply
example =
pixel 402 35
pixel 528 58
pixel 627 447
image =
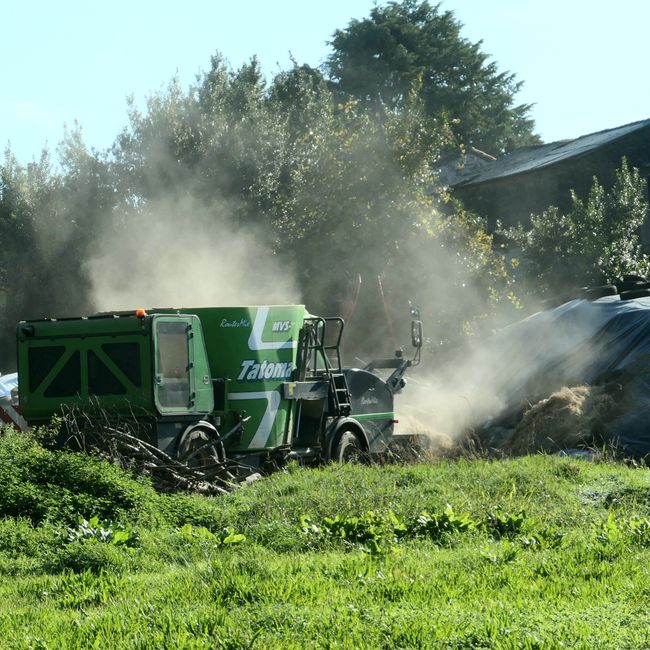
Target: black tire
pixel 631 277
pixel 593 293
pixel 348 449
pixel 194 450
pixel 632 286
pixel 638 293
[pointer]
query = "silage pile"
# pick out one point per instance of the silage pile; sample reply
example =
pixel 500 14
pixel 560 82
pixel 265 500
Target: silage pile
pixel 570 418
pixel 614 412
pixel 574 377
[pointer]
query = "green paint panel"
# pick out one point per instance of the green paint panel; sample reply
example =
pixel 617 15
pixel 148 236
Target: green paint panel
pixel 254 349
pixel 75 362
pixel 71 361
pixel 174 357
pixel 375 416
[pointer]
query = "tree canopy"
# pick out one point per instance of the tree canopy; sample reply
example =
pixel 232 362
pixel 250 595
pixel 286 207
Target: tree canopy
pixel 305 189
pixel 413 45
pixel 288 180
pixel 595 242
pixel 319 187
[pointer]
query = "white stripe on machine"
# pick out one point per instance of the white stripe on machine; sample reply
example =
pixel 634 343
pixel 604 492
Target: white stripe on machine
pixel 263 432
pixel 255 339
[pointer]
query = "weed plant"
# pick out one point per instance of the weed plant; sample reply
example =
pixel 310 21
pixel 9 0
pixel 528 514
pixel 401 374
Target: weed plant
pixel 534 552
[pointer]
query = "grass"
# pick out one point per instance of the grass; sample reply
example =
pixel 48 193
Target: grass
pixel 535 552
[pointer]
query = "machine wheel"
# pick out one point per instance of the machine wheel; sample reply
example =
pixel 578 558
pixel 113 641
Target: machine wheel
pixel 193 448
pixel 348 449
pixel 632 277
pixel 593 293
pixel 638 293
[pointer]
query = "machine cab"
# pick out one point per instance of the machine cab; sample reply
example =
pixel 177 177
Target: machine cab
pixel 182 381
pixel 132 362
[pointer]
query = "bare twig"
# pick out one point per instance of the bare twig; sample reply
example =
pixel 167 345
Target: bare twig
pixel 122 440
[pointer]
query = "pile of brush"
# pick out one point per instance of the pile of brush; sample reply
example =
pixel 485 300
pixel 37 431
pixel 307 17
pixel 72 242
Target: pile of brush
pixel 203 468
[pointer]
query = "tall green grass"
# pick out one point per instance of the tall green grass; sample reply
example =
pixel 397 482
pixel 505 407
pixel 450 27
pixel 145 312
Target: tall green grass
pixel 534 552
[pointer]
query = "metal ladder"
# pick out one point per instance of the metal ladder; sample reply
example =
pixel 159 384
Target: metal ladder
pixel 316 364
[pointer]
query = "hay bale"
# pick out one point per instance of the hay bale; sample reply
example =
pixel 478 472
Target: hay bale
pixel 569 418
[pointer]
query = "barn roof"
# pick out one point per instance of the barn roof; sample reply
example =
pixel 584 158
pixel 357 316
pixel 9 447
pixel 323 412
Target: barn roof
pixel 528 159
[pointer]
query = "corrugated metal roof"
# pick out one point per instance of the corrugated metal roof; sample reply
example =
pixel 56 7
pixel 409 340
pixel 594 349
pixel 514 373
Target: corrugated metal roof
pixel 528 159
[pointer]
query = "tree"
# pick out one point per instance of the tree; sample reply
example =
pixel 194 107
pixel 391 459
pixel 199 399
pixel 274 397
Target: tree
pixel 413 45
pixel 357 205
pixel 233 189
pixel 333 190
pixel 47 221
pixel 595 242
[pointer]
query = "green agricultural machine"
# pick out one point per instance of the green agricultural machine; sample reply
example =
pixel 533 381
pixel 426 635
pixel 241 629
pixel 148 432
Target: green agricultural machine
pixel 249 385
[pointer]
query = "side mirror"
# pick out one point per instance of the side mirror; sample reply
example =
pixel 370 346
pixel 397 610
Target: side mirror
pixel 416 333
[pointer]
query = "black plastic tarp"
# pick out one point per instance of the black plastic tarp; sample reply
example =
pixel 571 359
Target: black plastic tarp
pixel 605 341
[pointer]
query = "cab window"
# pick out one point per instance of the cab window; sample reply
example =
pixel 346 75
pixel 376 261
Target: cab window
pixel 172 364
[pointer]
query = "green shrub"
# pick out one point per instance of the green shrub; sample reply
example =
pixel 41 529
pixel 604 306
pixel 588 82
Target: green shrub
pixel 59 485
pixel 89 556
pixel 20 537
pixel 596 241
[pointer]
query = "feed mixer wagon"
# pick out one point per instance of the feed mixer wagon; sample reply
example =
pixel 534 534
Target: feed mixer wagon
pixel 254 385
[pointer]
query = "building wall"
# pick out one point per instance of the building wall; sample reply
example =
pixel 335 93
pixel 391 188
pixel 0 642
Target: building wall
pixel 512 199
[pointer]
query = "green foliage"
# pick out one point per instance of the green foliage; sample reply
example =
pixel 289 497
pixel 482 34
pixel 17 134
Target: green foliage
pixel 376 533
pixel 623 533
pixel 483 575
pixel 339 192
pixel 504 524
pixel 438 527
pixel 595 242
pixel 86 589
pixel 178 509
pixel 105 532
pixel 226 536
pixel 49 497
pixel 48 220
pixel 413 46
pixel 371 533
pixel 41 484
pixel 87 555
pixel 19 537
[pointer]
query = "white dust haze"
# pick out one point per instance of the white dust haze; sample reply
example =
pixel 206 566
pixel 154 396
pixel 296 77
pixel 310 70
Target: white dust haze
pixel 176 253
pixel 508 370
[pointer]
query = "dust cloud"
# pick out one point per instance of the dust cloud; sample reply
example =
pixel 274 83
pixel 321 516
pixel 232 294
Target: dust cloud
pixel 175 252
pixel 497 374
pixel 184 246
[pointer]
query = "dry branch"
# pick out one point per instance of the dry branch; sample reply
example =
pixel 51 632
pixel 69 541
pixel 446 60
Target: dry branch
pixel 123 441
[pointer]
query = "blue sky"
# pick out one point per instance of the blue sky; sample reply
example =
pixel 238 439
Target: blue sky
pixel 583 63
